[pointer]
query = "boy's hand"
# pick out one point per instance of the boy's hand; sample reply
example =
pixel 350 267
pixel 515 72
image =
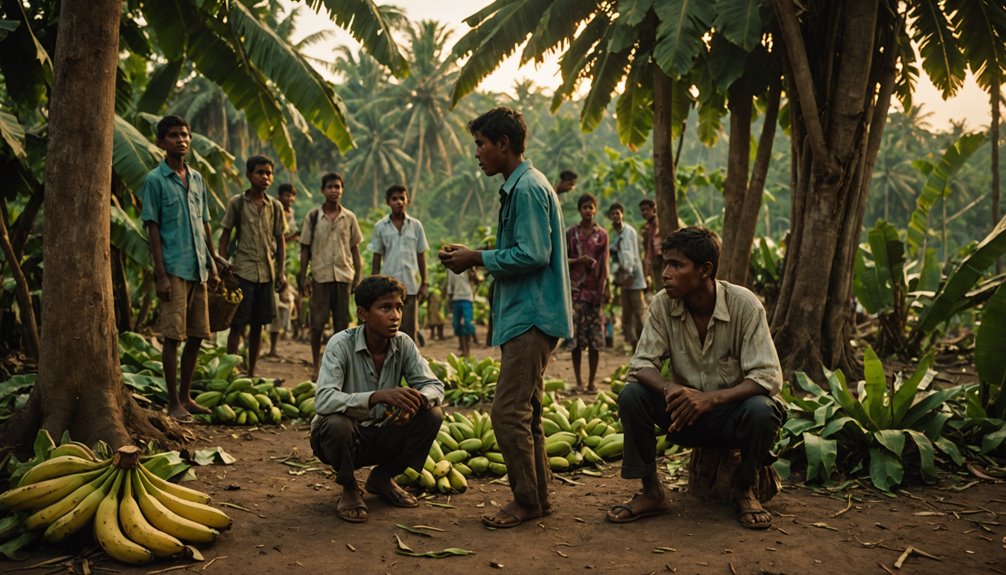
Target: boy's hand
pixel 408 400
pixel 163 288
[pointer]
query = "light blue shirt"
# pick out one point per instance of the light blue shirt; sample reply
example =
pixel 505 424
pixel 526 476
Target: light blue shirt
pixel 624 256
pixel 348 378
pixel 529 262
pixel 179 213
pixel 399 250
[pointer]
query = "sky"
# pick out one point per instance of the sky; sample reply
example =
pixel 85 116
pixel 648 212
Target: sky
pixel 970 105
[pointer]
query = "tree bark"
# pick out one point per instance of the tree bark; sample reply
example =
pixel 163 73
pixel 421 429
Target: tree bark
pixel 735 187
pixel 663 156
pixel 994 133
pixel 79 387
pixel 830 170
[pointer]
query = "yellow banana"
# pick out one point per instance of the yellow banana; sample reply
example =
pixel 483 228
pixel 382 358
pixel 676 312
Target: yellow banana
pixel 198 512
pixel 168 521
pixel 173 488
pixel 58 467
pixel 45 493
pixel 139 529
pixel 43 517
pixel 73 448
pixel 108 533
pixel 80 515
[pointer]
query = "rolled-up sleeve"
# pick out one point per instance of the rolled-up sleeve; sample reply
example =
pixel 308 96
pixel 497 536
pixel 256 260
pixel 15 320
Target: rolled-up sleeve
pixel 654 343
pixel 330 397
pixel 759 359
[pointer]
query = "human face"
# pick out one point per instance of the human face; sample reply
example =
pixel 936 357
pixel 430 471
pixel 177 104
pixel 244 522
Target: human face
pixel 491 156
pixel 260 178
pixel 681 276
pixel 176 142
pixel 616 218
pixel 332 191
pixel 647 212
pixel 565 186
pixel 384 316
pixel 398 202
pixel 287 198
pixel 587 211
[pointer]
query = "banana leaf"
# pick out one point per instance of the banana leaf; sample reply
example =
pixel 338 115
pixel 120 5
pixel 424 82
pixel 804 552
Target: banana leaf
pixel 960 281
pixel 904 395
pixel 876 389
pixel 927 465
pixel 851 405
pixel 886 469
pixel 129 238
pixel 821 455
pixel 989 357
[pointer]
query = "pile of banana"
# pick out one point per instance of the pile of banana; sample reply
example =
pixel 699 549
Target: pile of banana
pixel 576 435
pixel 243 402
pixel 136 515
pixel 229 295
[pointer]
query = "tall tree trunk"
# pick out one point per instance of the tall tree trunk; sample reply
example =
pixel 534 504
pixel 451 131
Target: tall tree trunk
pixel 736 184
pixel 663 156
pixel 79 387
pixel 994 133
pixel 835 81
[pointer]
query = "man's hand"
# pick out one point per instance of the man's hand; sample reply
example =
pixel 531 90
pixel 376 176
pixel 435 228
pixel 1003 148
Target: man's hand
pixel 408 400
pixel 214 278
pixel 281 283
pixel 423 292
pixel 585 259
pixel 686 405
pixel 163 288
pixel 458 258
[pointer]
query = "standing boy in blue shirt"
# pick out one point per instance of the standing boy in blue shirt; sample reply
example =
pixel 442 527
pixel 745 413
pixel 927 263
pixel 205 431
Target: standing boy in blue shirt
pixel 177 219
pixel 531 308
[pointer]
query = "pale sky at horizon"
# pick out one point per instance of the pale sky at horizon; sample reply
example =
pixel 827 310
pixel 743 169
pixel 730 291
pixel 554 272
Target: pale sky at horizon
pixel 970 104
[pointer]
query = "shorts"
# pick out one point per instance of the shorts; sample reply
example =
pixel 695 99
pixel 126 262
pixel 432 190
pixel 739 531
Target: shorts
pixel 187 313
pixel 588 330
pixel 256 306
pixel 282 320
pixel 330 298
pixel 461 309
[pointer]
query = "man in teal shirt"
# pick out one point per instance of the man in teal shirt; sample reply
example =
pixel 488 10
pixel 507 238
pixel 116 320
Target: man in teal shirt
pixel 531 308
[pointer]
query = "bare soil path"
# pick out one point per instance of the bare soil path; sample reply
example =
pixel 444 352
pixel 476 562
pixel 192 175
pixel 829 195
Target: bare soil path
pixel 291 526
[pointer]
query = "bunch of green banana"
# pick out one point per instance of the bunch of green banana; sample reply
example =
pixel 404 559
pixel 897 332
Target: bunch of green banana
pixel 467 381
pixel 136 515
pixel 243 402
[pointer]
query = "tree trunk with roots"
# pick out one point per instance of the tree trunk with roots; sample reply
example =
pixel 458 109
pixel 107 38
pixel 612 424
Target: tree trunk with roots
pixel 663 154
pixel 839 70
pixel 79 387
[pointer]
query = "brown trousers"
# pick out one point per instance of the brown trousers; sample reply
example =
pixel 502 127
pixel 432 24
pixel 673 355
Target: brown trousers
pixel 516 416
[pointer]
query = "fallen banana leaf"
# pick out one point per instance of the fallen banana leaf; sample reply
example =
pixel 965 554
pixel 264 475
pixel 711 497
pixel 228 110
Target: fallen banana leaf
pixel 404 549
pixel 664 550
pixel 444 505
pixel 13 548
pixel 823 526
pixel 211 456
pixel 418 529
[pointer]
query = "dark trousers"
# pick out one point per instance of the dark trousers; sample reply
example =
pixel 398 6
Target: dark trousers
pixel 346 445
pixel 750 425
pixel 516 416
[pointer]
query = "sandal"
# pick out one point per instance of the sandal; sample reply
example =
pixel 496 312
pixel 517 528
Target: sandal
pixel 748 515
pixel 394 495
pixel 613 515
pixel 504 519
pixel 345 513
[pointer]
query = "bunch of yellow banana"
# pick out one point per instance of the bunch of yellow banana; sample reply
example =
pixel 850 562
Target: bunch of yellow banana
pixel 137 515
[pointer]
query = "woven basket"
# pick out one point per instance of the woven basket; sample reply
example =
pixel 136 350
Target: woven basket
pixel 222 309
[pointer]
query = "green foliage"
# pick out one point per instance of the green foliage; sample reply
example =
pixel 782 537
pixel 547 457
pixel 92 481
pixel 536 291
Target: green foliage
pixel 989 357
pixel 467 382
pixel 886 428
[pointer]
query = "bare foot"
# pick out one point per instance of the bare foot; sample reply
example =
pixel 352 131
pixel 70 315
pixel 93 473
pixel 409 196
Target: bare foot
pixel 379 484
pixel 351 507
pixel 180 413
pixel 193 407
pixel 511 515
pixel 641 505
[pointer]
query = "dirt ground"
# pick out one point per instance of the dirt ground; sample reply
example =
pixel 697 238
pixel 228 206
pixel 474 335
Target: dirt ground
pixel 290 524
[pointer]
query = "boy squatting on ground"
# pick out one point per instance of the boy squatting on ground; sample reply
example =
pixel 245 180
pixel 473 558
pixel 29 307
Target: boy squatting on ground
pixel 177 219
pixel 363 417
pixel 530 311
pixel 726 377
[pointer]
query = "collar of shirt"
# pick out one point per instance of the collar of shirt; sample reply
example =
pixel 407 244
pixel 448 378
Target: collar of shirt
pixel 510 182
pixel 361 343
pixel 387 219
pixel 167 172
pixel 720 312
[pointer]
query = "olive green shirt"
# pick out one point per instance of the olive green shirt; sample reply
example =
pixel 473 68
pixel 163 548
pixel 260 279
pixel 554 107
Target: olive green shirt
pixel 256 238
pixel 331 242
pixel 738 342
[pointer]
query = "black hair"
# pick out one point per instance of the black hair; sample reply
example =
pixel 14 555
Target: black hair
pixel 168 122
pixel 647 202
pixel 285 188
pixel 373 287
pixel 256 161
pixel 394 189
pixel 567 175
pixel 615 206
pixel 585 199
pixel 499 122
pixel 697 243
pixel 330 177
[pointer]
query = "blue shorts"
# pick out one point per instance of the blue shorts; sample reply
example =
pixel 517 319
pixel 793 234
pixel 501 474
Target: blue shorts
pixel 462 311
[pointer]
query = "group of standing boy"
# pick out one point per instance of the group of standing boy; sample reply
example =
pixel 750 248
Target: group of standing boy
pixel 725 371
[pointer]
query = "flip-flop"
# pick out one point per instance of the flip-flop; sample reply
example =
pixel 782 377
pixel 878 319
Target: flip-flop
pixel 613 517
pixel 511 520
pixel 343 512
pixel 396 496
pixel 591 391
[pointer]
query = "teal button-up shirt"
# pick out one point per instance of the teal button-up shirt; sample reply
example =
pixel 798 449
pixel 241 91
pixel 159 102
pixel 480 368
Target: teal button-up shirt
pixel 179 213
pixel 529 262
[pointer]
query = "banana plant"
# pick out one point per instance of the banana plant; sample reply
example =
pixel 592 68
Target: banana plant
pixel 866 433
